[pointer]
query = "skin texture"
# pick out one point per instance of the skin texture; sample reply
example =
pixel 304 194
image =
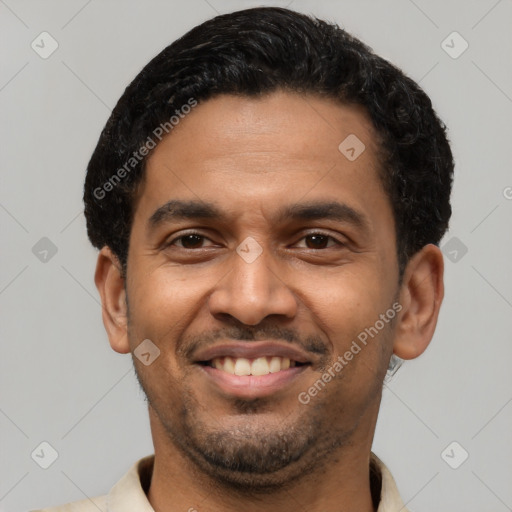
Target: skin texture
pixel 250 157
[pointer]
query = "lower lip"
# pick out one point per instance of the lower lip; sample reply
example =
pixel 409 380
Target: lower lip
pixel 252 386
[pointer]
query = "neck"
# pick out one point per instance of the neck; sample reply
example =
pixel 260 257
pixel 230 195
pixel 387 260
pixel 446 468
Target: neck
pixel 341 484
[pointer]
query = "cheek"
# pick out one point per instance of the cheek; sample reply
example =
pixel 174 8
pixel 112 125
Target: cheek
pixel 162 306
pixel 159 305
pixel 348 302
pixel 166 301
pixel 349 311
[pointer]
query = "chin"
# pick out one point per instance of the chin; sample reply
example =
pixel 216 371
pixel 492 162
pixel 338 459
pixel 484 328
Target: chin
pixel 251 455
pixel 261 465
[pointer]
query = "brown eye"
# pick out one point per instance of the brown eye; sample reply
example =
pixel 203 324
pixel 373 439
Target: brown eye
pixel 191 241
pixel 188 241
pixel 319 241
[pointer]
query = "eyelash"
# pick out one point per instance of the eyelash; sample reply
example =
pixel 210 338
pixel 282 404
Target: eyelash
pixel 183 235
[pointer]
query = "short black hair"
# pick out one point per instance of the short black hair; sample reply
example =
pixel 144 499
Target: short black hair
pixel 254 52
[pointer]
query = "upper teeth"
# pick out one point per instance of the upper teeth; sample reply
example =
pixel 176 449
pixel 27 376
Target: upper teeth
pixel 259 366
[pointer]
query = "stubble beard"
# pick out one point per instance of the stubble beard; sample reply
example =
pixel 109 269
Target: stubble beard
pixel 253 459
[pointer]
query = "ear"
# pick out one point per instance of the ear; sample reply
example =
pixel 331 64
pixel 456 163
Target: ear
pixel 421 294
pixel 110 284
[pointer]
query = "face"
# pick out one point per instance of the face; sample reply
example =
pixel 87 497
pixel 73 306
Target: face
pixel 255 238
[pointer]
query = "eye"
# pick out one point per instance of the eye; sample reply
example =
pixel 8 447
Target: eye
pixel 191 240
pixel 319 240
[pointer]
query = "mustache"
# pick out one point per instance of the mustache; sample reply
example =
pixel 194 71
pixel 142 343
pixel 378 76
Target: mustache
pixel 310 343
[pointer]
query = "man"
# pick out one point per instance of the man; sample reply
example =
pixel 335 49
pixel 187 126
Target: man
pixel 268 197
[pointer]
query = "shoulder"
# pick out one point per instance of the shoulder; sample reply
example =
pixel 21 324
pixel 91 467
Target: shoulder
pixel 384 486
pixel 129 493
pixel 87 505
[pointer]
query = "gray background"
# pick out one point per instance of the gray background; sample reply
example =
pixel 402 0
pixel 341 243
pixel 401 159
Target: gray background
pixel 60 381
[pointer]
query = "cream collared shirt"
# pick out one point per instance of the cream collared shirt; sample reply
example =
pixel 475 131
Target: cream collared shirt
pixel 129 494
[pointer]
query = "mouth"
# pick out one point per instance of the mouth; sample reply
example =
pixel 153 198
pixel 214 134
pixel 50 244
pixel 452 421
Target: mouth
pixel 260 366
pixel 252 370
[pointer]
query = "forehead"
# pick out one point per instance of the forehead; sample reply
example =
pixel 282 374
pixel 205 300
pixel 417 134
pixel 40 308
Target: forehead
pixel 301 125
pixel 257 153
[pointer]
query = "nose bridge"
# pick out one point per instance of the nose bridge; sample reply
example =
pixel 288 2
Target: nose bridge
pixel 252 268
pixel 253 289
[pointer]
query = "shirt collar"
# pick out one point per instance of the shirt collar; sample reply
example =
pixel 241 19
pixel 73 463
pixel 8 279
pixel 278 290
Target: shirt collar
pixel 130 492
pixel 390 500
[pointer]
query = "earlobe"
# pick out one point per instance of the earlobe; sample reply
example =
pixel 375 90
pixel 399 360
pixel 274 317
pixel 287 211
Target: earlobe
pixel 110 284
pixel 421 295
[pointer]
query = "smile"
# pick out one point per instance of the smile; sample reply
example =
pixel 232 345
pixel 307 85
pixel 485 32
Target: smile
pixel 243 366
pixel 244 378
pixel 252 369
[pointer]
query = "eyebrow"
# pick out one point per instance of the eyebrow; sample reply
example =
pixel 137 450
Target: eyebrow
pixel 176 210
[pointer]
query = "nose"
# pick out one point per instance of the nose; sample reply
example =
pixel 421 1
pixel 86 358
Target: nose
pixel 252 290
